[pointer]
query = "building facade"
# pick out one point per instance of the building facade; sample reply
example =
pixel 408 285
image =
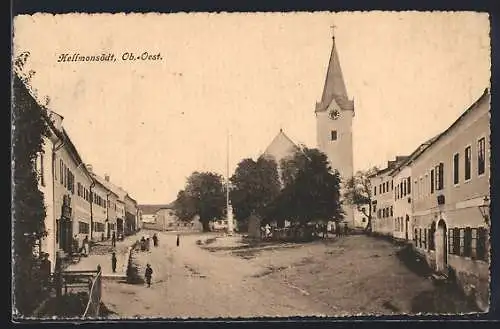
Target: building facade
pixel 451 205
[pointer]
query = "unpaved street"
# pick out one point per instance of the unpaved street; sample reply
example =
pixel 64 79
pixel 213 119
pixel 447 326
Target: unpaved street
pixel 225 278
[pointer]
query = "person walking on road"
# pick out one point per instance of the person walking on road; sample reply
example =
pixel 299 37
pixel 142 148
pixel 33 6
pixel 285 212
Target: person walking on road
pixel 113 240
pixel 178 240
pixel 86 246
pixel 346 229
pixel 155 240
pixel 113 262
pixel 148 275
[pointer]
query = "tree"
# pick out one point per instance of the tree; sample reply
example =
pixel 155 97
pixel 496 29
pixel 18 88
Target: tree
pixel 255 184
pixel 204 195
pixel 28 206
pixel 184 207
pixel 358 192
pixel 311 191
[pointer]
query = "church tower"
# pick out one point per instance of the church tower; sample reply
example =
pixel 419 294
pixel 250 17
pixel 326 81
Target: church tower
pixel 334 117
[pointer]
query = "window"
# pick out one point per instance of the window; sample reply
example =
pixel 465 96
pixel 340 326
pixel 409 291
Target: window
pixel 392 185
pixel 481 243
pixel 83 228
pixel 440 176
pixel 334 135
pixel 378 213
pixel 415 236
pixel 481 156
pixel 456 165
pixel 431 238
pixel 422 190
pixel 432 181
pixel 61 172
pixel 467 162
pixel 383 188
pixel 387 187
pixel 409 185
pixel 391 212
pixel 42 180
pixel 425 238
pixel 374 190
pixel 404 187
pixel 400 190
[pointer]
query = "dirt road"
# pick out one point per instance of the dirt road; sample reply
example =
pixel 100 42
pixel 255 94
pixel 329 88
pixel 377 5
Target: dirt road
pixel 354 275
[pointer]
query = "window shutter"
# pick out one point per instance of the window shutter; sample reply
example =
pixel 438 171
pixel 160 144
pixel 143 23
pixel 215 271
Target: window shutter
pixel 441 176
pixel 456 241
pixel 409 185
pixel 432 181
pixel 450 241
pixel 467 242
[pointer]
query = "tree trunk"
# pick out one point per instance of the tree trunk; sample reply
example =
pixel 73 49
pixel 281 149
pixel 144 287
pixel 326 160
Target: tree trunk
pixel 206 226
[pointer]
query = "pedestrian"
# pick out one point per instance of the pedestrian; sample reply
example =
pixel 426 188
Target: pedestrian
pixel 86 246
pixel 143 244
pixel 346 229
pixel 178 240
pixel 148 275
pixel 113 262
pixel 45 270
pixel 113 239
pixel 155 240
pixel 75 248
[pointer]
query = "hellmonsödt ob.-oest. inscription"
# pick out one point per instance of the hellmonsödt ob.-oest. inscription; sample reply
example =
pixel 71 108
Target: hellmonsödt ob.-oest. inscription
pixel 143 56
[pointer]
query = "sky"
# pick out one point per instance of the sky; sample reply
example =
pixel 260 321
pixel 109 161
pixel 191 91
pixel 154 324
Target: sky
pixel 150 124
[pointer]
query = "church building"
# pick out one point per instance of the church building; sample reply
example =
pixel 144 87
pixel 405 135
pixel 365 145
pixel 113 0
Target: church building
pixel 334 118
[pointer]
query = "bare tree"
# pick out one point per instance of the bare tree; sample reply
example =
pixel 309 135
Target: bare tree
pixel 358 192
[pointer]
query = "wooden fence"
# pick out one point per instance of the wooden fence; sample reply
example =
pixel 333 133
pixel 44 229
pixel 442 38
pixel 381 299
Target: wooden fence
pixel 94 304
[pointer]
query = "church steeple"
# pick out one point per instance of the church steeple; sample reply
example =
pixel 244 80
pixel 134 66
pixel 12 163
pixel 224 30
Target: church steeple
pixel 334 87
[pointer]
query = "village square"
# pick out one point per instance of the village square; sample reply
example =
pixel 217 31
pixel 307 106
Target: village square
pixel 294 229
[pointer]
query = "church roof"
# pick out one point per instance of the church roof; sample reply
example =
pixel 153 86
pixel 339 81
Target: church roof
pixel 334 87
pixel 281 147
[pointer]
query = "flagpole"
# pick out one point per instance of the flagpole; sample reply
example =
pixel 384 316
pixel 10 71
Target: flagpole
pixel 229 210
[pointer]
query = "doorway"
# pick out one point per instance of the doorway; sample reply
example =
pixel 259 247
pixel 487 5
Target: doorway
pixel 441 247
pixel 66 234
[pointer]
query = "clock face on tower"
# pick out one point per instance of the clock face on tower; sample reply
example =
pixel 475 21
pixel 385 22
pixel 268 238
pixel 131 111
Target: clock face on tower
pixel 334 114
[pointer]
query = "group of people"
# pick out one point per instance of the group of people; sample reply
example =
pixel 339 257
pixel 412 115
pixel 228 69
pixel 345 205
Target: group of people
pixel 84 249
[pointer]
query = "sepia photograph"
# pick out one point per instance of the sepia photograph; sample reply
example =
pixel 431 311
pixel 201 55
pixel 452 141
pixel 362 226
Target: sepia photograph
pixel 250 165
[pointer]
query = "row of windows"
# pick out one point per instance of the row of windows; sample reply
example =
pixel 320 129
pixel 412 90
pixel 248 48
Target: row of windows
pixel 385 212
pixel 481 162
pixel 383 188
pixel 403 188
pixel 434 180
pixel 399 224
pixel 465 242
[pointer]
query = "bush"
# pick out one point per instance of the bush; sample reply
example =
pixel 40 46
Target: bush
pixel 133 275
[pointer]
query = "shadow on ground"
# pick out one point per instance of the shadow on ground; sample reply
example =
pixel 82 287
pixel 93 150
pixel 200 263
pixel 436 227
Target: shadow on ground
pixel 445 298
pixel 72 305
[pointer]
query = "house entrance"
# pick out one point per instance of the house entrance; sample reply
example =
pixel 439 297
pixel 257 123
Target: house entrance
pixel 441 247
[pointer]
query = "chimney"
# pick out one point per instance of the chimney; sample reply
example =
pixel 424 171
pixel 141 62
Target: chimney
pixel 106 177
pixel 89 168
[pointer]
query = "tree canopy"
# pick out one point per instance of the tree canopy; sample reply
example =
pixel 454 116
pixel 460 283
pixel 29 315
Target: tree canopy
pixel 311 190
pixel 203 195
pixel 28 205
pixel 255 185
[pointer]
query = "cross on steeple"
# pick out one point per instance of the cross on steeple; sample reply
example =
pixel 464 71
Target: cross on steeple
pixel 333 27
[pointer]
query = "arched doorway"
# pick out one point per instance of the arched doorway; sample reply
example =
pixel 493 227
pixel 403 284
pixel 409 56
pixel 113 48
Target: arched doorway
pixel 441 247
